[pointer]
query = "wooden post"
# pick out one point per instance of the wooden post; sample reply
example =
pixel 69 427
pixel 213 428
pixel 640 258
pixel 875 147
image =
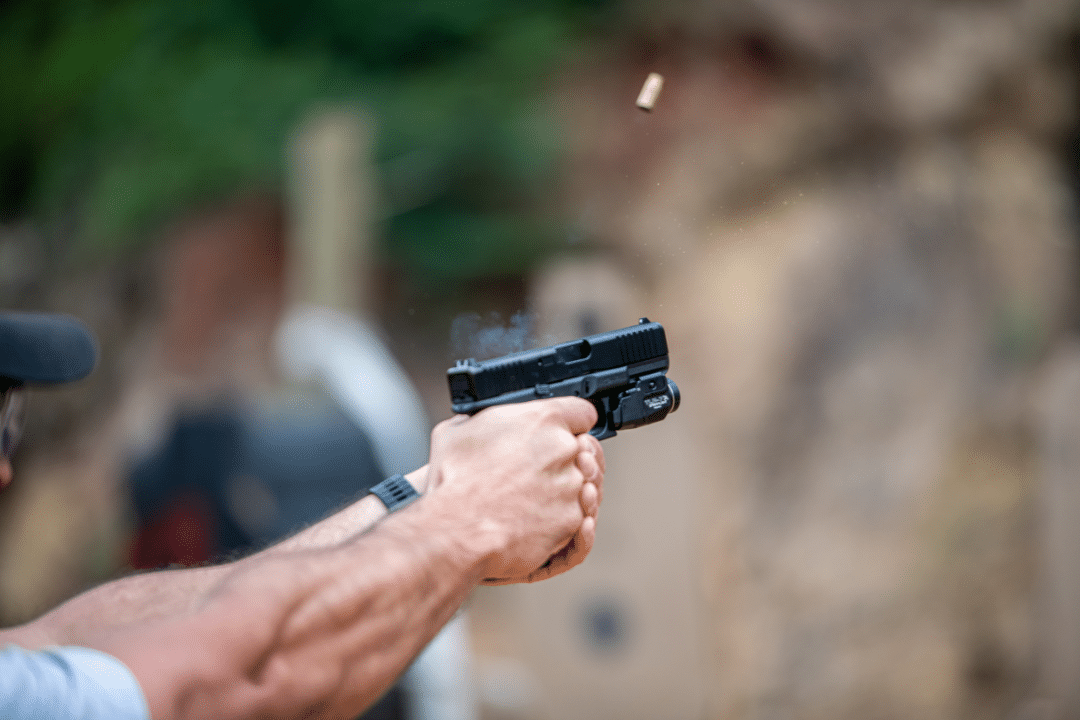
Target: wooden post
pixel 331 207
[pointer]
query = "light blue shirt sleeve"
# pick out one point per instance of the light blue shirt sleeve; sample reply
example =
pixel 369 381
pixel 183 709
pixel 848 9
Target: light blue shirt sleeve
pixel 67 683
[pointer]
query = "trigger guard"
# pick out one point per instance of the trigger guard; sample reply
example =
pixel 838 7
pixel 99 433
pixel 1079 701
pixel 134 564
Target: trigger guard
pixel 602 429
pixel 602 433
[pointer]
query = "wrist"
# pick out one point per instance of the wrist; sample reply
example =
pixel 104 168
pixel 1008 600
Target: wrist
pixel 399 491
pixel 472 544
pixel 419 479
pixel 395 492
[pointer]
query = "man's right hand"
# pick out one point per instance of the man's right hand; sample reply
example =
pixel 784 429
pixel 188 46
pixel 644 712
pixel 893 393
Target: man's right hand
pixel 527 480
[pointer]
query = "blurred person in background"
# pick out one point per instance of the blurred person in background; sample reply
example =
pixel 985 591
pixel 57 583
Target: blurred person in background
pixel 320 624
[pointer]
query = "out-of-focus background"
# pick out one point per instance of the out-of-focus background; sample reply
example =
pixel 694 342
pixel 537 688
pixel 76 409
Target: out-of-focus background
pixel 856 220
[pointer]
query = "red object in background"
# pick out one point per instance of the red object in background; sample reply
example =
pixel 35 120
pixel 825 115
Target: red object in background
pixel 184 534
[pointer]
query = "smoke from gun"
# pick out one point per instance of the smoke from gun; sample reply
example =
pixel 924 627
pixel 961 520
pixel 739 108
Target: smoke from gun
pixel 487 337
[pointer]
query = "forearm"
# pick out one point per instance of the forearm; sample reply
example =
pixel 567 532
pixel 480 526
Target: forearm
pixel 302 632
pixel 310 632
pixel 148 596
pixel 348 523
pixel 127 601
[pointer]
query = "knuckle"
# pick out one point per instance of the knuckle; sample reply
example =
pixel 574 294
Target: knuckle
pixel 443 427
pixel 549 414
pixel 589 492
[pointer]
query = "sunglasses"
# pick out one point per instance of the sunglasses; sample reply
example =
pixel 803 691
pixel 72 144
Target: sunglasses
pixel 12 413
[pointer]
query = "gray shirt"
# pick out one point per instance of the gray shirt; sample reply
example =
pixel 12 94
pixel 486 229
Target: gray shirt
pixel 67 683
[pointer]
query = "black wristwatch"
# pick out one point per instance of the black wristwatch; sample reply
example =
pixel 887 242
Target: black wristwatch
pixel 395 492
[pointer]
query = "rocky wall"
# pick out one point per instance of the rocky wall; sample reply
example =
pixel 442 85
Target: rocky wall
pixel 855 222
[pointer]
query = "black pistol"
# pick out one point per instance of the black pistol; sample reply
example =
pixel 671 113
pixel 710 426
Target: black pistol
pixel 622 372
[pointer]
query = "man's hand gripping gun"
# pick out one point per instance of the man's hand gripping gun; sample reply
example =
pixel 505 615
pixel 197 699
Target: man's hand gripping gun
pixel 621 372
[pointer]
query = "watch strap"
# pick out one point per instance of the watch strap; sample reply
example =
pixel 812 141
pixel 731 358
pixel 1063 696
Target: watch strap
pixel 395 492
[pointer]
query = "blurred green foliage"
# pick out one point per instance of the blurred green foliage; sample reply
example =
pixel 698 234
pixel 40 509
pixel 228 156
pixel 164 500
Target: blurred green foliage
pixel 119 114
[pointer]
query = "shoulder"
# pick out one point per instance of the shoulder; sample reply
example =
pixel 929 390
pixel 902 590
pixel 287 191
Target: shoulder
pixel 70 682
